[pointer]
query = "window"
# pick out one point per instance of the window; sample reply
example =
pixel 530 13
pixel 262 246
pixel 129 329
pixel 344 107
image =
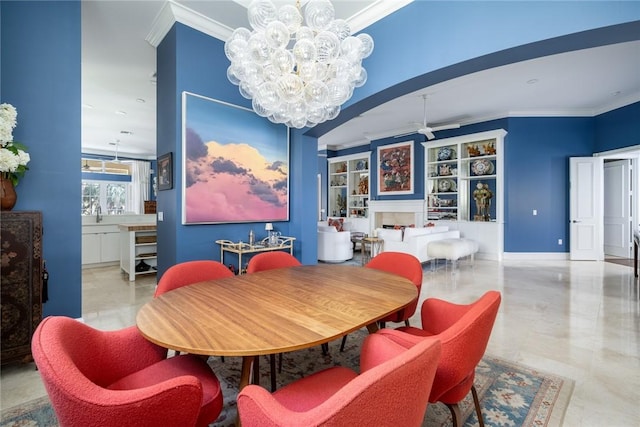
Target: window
pixel 106 185
pixel 111 196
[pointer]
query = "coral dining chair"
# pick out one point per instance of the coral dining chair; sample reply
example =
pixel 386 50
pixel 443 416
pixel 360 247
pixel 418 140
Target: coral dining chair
pixel 269 261
pixel 119 379
pixel 400 264
pixel 389 391
pixel 464 332
pixel 190 272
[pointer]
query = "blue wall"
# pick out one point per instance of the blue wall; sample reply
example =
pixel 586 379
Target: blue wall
pixel 618 128
pixel 40 69
pixel 191 61
pixel 537 152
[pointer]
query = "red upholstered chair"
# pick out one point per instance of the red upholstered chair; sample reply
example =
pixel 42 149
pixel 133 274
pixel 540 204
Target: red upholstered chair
pixel 269 261
pixel 388 392
pixel 400 264
pixel 190 272
pixel 404 265
pixel 464 331
pixel 119 379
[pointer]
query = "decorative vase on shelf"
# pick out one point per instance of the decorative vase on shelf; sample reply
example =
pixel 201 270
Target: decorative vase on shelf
pixel 8 196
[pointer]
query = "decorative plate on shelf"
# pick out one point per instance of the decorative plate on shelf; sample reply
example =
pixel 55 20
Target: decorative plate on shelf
pixel 446 153
pixel 482 167
pixel 360 165
pixel 447 185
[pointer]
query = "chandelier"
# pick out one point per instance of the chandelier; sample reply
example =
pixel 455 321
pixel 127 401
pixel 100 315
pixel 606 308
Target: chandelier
pixel 297 73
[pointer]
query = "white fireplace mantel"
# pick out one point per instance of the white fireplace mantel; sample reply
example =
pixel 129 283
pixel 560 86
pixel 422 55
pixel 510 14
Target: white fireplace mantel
pixel 402 212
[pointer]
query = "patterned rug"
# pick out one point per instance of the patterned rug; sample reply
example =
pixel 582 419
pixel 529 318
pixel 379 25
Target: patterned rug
pixel 510 394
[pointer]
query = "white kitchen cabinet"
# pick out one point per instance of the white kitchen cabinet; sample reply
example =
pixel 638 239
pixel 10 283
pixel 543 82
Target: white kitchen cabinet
pixel 100 244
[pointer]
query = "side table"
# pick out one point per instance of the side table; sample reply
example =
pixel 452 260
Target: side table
pixel 356 237
pixel 371 246
pixel 239 248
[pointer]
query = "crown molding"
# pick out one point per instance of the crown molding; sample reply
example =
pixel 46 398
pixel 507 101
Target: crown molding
pixel 375 12
pixel 173 12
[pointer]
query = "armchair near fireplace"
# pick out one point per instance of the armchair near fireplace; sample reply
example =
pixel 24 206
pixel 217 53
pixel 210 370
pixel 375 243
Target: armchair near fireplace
pixel 333 245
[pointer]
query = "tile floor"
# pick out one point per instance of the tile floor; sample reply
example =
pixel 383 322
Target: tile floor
pixel 576 319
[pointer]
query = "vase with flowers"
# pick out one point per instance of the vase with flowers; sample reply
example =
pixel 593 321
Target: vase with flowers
pixel 13 157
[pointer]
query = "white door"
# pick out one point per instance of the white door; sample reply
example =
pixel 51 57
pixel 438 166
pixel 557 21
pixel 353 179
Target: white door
pixel 617 209
pixel 585 208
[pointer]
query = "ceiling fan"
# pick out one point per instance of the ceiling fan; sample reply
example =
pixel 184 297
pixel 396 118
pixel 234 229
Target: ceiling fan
pixel 429 130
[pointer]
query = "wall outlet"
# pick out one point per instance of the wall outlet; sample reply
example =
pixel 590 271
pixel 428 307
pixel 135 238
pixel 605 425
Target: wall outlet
pixel 560 241
pixel 535 212
pixel 160 216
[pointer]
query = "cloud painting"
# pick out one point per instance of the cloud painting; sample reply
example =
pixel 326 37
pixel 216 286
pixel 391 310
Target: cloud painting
pixel 235 165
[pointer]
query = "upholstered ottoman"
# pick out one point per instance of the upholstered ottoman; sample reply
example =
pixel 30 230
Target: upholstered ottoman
pixel 451 250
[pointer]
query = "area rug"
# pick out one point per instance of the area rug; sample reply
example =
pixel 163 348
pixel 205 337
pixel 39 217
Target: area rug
pixel 510 394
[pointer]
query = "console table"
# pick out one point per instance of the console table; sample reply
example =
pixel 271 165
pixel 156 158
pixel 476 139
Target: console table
pixel 240 248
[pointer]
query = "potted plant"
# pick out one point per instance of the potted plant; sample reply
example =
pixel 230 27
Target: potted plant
pixel 13 157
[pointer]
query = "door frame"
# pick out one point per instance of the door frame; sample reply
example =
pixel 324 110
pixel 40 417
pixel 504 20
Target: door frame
pixel 633 153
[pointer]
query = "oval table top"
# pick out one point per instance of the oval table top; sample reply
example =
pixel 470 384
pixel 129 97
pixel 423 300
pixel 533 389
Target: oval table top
pixel 273 311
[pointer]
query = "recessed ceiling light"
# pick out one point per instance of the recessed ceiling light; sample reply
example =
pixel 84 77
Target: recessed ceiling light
pixel 141 101
pixel 87 106
pixel 616 93
pixel 121 113
pixel 532 81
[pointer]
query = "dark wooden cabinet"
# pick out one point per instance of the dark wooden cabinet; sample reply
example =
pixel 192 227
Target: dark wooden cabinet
pixel 20 283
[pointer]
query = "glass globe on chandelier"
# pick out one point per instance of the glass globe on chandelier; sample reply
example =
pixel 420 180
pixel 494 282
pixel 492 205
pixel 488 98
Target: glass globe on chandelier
pixel 297 73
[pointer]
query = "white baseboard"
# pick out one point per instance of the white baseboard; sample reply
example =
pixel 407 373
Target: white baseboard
pixel 537 256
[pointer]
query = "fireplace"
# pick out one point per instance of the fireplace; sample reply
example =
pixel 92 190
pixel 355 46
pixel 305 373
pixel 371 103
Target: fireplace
pixel 396 212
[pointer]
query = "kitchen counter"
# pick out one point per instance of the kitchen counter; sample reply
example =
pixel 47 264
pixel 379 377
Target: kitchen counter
pixel 137 227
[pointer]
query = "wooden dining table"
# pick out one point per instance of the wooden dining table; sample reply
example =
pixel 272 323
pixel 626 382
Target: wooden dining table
pixel 273 311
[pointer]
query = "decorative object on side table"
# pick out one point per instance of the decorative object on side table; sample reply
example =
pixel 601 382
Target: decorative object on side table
pixel 13 158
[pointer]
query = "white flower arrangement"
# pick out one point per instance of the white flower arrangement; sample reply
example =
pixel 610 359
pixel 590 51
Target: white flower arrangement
pixel 13 155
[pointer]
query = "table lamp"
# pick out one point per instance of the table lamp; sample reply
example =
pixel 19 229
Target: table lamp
pixel 268 226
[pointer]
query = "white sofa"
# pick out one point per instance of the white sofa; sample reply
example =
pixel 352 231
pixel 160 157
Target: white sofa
pixel 414 241
pixel 333 245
